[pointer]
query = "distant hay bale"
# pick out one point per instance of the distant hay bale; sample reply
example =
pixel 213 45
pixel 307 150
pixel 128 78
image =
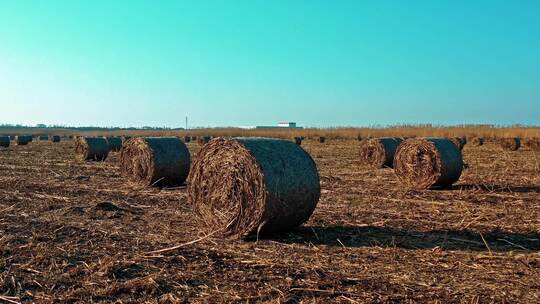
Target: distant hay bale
pixel 322 139
pixel 244 186
pixel 91 148
pixel 477 141
pixel 459 142
pixel 359 138
pixel 203 140
pixel 155 161
pixel 510 144
pixel 44 137
pixel 423 163
pixel 187 139
pixel 379 152
pixel 532 143
pixel 193 138
pixel 55 139
pixel 22 140
pixel 4 141
pixel 115 143
pixel 12 137
pixel 298 140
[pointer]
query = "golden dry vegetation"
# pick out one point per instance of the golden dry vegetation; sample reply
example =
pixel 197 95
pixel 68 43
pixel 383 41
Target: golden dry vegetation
pixel 78 232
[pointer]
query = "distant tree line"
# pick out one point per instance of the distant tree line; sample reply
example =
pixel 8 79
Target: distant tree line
pixel 85 128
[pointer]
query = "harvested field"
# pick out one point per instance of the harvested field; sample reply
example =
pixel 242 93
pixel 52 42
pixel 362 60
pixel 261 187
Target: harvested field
pixel 76 231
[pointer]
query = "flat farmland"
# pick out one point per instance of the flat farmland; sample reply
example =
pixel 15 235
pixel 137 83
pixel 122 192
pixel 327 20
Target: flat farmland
pixel 78 232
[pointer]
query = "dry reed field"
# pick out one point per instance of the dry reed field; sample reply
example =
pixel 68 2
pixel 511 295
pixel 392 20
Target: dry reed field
pixel 81 232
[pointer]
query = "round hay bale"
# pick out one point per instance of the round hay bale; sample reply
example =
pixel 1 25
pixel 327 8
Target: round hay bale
pixel 203 140
pixel 193 138
pixel 155 161
pixel 4 141
pixel 298 140
pixel 477 141
pixel 187 139
pixel 510 144
pixel 246 186
pixel 22 140
pixel 44 137
pixel 458 142
pixel 322 139
pixel 12 137
pixel 91 148
pixel 55 139
pixel 423 163
pixel 379 152
pixel 115 143
pixel 532 143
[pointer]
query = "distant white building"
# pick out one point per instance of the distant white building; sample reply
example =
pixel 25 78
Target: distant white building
pixel 290 125
pixel 287 124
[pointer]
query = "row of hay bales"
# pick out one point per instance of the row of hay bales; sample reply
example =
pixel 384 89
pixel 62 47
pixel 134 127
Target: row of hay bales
pixel 22 140
pixel 422 163
pixel 238 186
pixel 97 148
pixel 245 186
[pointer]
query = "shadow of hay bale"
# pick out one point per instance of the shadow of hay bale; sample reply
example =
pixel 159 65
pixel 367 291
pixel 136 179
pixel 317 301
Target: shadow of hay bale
pixel 459 240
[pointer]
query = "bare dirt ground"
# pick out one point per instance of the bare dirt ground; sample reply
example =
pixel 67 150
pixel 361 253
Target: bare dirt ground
pixel 75 232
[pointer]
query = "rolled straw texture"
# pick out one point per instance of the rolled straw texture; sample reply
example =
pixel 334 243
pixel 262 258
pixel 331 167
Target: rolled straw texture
pixel 155 161
pixel 246 186
pixel 423 163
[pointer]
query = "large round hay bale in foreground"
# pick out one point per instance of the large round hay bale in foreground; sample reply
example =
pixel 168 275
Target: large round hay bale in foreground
pixel 423 163
pixel 115 143
pixel 22 140
pixel 155 161
pixel 379 152
pixel 245 186
pixel 477 141
pixel 55 139
pixel 91 148
pixel 4 141
pixel 510 144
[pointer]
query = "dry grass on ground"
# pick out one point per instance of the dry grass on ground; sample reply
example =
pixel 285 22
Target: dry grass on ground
pixel 72 231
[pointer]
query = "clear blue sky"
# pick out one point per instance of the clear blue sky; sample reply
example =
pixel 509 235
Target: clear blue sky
pixel 236 63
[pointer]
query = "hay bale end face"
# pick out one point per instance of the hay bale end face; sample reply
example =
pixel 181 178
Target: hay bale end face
pixel 245 186
pixel 510 144
pixel 477 141
pixel 22 140
pixel 423 163
pixel 379 152
pixel 91 148
pixel 4 141
pixel 155 161
pixel 114 143
pixel 55 139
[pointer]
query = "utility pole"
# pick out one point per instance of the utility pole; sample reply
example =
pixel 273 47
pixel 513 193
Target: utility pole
pixel 186 123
